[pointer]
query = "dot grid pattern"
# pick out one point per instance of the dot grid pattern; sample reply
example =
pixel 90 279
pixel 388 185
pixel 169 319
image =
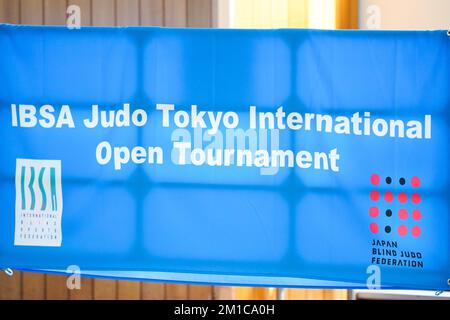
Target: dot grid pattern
pixel 397 221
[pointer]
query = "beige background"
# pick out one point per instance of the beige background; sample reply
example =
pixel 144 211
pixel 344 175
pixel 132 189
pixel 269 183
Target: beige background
pixel 409 14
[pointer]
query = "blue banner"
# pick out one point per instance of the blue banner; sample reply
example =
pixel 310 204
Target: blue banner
pixel 255 157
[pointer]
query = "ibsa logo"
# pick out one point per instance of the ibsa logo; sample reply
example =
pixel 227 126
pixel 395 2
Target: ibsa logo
pixel 39 203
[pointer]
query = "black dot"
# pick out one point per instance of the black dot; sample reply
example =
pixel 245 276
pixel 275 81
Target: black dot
pixel 389 212
pixel 388 180
pixel 402 181
pixel 387 229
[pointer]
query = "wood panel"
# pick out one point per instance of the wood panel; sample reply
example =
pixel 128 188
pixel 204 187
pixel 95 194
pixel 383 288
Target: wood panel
pixel 152 12
pixel 55 12
pixel 224 293
pixel 335 294
pixel 128 290
pixel 10 286
pixel 56 287
pixel 127 13
pixel 105 289
pixel 32 12
pixel 85 292
pixel 175 13
pixel 153 291
pixel 199 14
pixel 33 286
pixel 9 11
pixel 103 13
pixel 176 291
pixel 200 292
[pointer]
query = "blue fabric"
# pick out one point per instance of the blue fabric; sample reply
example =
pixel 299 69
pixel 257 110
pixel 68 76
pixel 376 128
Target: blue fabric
pixel 233 225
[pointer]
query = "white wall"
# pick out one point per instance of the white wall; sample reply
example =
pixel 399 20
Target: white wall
pixel 406 14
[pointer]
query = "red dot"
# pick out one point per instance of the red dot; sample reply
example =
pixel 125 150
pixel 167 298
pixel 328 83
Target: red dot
pixel 415 198
pixel 374 195
pixel 415 182
pixel 374 212
pixel 416 214
pixel 416 231
pixel 402 230
pixel 403 214
pixel 402 197
pixel 374 228
pixel 375 179
pixel 388 196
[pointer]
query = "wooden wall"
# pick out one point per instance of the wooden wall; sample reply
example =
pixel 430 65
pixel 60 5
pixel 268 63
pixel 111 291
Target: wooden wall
pixel 173 13
pixel 170 13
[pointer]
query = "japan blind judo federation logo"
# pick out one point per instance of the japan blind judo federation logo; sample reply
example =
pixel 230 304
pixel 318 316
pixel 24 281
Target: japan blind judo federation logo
pixel 38 203
pixel 395 214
